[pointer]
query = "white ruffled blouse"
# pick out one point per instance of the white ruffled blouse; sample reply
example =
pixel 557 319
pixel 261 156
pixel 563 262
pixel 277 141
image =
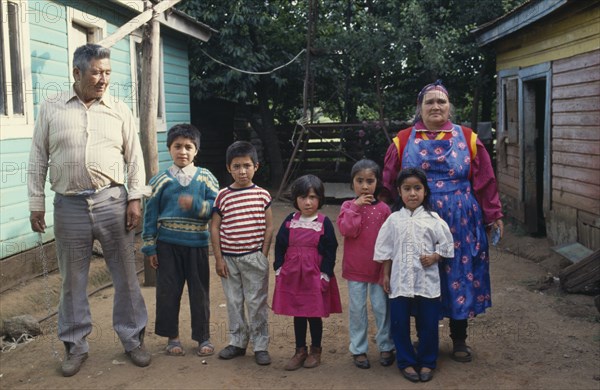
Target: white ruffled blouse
pixel 403 238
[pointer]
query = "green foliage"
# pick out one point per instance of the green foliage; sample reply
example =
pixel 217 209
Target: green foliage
pixel 380 53
pixel 368 59
pixel 254 36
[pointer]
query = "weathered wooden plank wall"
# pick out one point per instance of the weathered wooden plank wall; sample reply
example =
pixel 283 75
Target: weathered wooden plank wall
pixel 576 142
pixel 567 42
pixel 570 31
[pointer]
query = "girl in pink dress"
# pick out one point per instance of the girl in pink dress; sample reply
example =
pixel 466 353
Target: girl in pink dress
pixel 305 286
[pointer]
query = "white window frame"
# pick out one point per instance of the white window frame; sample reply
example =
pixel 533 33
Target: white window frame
pixel 504 76
pixel 94 24
pixel 19 125
pixel 161 121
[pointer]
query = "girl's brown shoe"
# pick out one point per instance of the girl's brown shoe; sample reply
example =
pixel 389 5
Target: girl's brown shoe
pixel 314 358
pixel 297 360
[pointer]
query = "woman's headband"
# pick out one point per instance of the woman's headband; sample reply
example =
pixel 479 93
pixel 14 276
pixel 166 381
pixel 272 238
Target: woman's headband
pixel 437 86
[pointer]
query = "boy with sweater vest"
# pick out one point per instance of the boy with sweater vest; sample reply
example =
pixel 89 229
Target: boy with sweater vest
pixel 241 232
pixel 176 239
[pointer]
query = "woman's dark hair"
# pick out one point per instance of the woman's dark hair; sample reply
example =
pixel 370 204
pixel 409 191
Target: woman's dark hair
pixel 241 149
pixel 302 185
pixel 419 174
pixel 366 164
pixel 184 130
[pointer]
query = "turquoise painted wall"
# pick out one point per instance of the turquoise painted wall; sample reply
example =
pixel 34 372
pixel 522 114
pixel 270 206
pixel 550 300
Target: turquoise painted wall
pixel 15 231
pixel 177 91
pixel 51 67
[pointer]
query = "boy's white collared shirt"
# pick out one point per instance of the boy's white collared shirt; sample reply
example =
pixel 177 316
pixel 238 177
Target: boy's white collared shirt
pixel 183 175
pixel 403 238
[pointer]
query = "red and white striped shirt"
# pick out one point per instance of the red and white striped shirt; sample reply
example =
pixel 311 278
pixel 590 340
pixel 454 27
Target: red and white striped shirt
pixel 243 221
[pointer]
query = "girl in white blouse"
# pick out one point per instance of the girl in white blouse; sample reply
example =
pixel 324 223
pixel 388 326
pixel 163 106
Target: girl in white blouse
pixel 410 244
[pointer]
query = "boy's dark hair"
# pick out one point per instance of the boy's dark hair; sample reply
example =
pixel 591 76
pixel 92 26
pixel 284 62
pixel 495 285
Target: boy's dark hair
pixel 184 130
pixel 366 164
pixel 241 149
pixel 419 174
pixel 302 185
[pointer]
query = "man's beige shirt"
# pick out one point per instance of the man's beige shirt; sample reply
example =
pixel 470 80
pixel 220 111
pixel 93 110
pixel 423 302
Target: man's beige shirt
pixel 83 148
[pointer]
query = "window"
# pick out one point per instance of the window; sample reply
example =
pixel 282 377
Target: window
pixel 508 114
pixel 80 35
pixel 15 77
pixel 83 28
pixel 11 75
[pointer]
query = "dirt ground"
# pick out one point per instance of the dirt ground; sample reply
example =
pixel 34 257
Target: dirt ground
pixel 533 337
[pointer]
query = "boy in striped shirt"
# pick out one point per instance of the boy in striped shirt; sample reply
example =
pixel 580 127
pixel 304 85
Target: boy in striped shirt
pixel 241 232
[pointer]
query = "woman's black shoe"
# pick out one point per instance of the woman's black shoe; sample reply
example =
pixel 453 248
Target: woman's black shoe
pixel 386 358
pixel 426 376
pixel 363 363
pixel 411 376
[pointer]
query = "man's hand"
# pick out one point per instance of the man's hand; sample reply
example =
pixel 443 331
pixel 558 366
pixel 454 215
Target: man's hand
pixel 38 223
pixel 134 214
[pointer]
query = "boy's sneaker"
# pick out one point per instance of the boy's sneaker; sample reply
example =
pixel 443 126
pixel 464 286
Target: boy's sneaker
pixel 262 358
pixel 231 351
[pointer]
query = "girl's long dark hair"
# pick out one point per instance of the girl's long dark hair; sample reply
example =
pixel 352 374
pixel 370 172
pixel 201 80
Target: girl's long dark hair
pixel 419 174
pixel 366 164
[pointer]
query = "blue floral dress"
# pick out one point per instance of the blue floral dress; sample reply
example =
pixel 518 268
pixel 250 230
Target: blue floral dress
pixel 465 279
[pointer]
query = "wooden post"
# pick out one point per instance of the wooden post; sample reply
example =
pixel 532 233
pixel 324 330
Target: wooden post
pixel 312 12
pixel 126 29
pixel 149 110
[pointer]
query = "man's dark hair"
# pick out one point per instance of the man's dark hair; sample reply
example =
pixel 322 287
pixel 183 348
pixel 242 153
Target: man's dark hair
pixel 85 54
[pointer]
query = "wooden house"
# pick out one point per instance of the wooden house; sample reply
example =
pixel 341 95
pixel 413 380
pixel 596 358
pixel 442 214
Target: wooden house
pixel 38 38
pixel 548 105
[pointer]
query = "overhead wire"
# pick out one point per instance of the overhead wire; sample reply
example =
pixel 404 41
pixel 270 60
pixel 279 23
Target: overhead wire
pixel 252 72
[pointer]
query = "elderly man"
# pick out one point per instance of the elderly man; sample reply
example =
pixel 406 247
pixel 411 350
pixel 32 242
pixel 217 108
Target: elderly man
pixel 87 142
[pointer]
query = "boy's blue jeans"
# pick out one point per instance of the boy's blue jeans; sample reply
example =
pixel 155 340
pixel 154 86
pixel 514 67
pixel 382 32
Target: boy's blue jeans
pixel 359 320
pixel 426 312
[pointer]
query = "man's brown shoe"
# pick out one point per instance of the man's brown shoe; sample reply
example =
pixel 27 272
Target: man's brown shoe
pixel 139 356
pixel 72 363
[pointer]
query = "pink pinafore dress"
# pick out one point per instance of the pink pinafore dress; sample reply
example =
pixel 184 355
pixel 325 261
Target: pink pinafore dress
pixel 298 288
